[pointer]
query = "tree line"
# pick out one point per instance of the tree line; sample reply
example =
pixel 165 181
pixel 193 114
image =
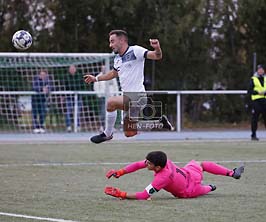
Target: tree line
pixel 203 41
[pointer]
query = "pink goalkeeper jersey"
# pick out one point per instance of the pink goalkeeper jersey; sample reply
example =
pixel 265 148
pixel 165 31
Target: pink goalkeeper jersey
pixel 171 178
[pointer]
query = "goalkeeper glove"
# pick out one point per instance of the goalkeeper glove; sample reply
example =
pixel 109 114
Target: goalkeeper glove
pixel 115 192
pixel 115 173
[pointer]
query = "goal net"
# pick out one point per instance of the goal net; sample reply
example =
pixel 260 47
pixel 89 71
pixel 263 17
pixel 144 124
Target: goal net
pixel 45 92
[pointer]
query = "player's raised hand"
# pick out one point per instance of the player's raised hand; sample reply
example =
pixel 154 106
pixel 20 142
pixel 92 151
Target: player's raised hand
pixel 115 173
pixel 115 192
pixel 155 43
pixel 89 78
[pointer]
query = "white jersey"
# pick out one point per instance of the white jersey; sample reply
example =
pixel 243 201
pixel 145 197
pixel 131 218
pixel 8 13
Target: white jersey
pixel 130 68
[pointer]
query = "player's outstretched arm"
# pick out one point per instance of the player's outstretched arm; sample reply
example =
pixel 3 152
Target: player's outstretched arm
pixel 116 192
pixel 127 169
pixel 157 53
pixel 88 78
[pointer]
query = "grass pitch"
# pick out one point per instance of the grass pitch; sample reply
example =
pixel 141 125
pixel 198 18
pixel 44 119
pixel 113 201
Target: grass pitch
pixel 66 181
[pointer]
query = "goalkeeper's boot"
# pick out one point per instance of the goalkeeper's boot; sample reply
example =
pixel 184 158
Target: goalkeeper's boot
pixel 166 124
pixel 213 187
pixel 101 138
pixel 237 172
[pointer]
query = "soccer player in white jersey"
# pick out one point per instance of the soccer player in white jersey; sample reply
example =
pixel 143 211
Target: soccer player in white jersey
pixel 129 67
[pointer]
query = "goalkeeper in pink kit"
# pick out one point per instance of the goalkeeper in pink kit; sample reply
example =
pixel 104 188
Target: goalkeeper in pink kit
pixel 185 182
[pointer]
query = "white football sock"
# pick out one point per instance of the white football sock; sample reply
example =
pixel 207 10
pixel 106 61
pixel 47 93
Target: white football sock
pixel 111 118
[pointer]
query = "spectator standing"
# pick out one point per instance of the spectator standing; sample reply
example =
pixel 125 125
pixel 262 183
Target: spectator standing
pixel 42 86
pixel 72 82
pixel 257 91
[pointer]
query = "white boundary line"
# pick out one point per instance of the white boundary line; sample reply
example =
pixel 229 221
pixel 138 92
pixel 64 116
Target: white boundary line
pixel 114 163
pixel 34 218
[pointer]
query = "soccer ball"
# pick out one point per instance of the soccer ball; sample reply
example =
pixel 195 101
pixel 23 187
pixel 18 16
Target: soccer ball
pixel 22 40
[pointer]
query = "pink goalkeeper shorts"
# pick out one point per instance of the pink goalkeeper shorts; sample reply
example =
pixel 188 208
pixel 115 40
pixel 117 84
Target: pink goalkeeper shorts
pixel 195 176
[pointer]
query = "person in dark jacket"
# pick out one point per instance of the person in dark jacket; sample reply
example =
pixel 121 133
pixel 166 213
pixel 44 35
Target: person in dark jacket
pixel 41 84
pixel 73 81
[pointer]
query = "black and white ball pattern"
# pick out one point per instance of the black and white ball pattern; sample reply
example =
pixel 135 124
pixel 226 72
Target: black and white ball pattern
pixel 22 40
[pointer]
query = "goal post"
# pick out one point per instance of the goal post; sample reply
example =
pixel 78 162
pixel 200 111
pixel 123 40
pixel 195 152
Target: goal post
pixel 46 92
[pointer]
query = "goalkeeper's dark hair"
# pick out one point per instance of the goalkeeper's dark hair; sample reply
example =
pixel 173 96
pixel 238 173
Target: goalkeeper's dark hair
pixel 158 158
pixel 119 33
